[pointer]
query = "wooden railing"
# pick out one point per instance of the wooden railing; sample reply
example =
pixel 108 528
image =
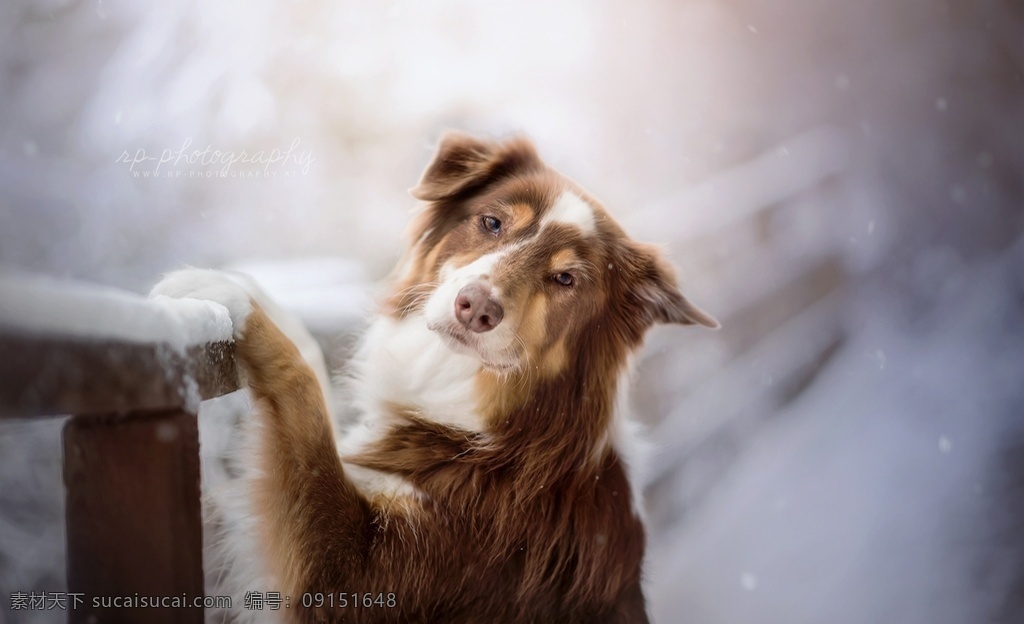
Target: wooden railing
pixel 131 459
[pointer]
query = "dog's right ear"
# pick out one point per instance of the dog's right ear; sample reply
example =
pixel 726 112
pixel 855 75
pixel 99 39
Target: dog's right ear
pixel 463 163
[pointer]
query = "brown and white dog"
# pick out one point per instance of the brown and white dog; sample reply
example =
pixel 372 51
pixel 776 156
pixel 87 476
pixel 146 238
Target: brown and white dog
pixel 488 476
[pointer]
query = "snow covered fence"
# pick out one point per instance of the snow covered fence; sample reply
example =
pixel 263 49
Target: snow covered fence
pixel 132 372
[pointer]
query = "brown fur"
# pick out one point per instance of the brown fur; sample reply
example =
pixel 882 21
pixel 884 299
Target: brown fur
pixel 531 521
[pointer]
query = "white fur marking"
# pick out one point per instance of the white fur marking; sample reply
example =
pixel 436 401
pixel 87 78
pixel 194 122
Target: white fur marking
pixel 375 483
pixel 478 269
pixel 403 362
pixel 572 210
pixel 208 285
pixel 236 292
pixel 234 564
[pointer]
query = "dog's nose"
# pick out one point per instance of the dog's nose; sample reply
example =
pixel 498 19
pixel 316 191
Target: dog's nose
pixel 477 310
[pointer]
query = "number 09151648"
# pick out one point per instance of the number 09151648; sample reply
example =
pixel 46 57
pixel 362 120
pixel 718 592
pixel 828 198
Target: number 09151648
pixel 349 600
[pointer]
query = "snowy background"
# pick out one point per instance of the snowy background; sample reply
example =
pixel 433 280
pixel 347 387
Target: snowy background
pixel 840 183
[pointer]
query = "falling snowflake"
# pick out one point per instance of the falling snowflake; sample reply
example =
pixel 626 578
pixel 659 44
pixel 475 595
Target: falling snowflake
pixel 945 444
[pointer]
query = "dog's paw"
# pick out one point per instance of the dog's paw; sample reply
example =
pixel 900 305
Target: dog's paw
pixel 208 285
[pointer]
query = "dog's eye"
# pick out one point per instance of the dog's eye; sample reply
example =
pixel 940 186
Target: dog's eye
pixel 564 279
pixel 491 224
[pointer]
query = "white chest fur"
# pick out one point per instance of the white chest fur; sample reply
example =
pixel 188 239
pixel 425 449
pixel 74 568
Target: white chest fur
pixel 401 362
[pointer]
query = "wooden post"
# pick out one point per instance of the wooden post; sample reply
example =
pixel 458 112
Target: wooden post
pixel 131 453
pixel 133 514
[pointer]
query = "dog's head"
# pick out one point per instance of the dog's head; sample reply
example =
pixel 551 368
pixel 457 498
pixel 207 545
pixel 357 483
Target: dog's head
pixel 514 264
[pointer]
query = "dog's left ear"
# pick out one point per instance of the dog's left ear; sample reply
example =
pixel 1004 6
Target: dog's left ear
pixel 656 290
pixel 463 163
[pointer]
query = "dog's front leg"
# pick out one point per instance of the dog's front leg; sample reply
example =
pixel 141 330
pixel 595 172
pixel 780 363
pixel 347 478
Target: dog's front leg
pixel 314 521
pixel 314 525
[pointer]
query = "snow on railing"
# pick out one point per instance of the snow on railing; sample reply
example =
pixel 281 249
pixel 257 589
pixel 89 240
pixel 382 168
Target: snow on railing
pixel 131 371
pixel 76 310
pixel 73 348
